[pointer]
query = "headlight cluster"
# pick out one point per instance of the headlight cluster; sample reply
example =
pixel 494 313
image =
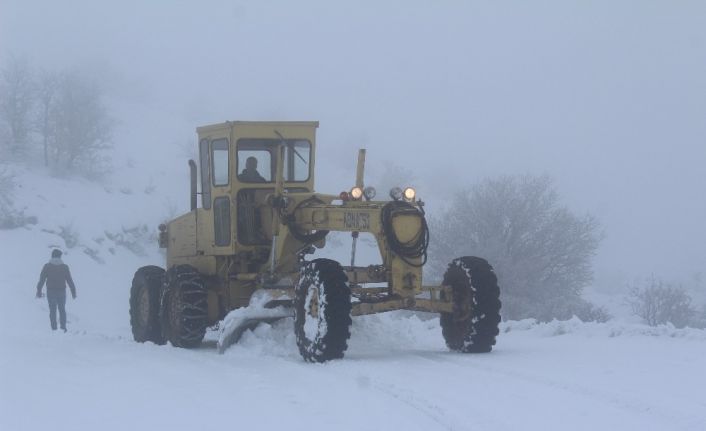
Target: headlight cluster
pixel 397 193
pixel 357 193
pixel 407 194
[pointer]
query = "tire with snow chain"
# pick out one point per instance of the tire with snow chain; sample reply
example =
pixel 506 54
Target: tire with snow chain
pixel 145 297
pixel 184 313
pixel 473 325
pixel 322 311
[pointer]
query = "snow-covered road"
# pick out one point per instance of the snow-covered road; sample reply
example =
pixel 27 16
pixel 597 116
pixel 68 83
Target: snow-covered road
pixel 397 375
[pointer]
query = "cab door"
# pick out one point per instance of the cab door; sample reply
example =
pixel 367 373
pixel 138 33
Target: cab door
pixel 215 231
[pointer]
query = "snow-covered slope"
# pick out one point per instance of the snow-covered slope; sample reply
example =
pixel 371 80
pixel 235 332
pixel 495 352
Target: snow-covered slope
pixel 397 373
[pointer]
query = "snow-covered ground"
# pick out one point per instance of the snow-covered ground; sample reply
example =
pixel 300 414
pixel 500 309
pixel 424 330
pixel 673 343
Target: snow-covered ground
pixel 397 373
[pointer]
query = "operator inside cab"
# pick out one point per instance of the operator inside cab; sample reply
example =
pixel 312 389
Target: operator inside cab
pixel 250 173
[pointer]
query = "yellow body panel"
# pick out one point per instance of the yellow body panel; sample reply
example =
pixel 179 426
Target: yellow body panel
pixel 182 237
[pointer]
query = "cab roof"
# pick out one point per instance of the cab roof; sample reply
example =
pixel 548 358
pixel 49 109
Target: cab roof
pixel 228 124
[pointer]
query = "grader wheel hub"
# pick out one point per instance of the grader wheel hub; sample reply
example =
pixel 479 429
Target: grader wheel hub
pixel 313 305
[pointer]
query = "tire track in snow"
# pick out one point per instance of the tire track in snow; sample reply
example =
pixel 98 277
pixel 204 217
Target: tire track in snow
pixel 431 409
pixel 621 402
pixel 433 412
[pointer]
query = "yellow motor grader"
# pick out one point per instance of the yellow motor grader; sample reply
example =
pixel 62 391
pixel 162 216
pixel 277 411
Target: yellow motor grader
pixel 241 257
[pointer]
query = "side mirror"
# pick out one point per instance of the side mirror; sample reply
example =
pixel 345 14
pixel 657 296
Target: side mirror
pixel 163 236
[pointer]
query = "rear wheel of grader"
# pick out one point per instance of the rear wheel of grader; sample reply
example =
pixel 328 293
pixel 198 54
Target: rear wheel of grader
pixel 322 311
pixel 145 297
pixel 473 325
pixel 184 307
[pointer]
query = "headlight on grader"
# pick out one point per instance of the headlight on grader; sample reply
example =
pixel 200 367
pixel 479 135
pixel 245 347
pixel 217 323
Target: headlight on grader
pixel 356 193
pixel 409 194
pixel 396 193
pixel 369 192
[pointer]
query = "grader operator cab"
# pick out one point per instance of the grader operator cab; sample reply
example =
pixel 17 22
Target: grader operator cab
pixel 241 258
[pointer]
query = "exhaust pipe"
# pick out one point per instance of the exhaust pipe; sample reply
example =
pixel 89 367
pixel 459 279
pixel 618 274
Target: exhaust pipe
pixel 192 168
pixel 360 169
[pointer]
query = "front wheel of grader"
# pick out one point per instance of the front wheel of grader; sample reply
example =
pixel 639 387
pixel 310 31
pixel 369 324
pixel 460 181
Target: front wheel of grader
pixel 473 325
pixel 322 311
pixel 184 314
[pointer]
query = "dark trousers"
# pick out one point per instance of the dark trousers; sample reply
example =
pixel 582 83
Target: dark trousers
pixel 57 299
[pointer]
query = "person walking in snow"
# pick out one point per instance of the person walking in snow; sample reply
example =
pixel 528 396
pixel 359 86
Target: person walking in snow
pixel 56 274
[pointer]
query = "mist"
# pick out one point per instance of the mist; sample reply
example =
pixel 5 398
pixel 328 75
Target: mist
pixel 608 98
pixel 558 148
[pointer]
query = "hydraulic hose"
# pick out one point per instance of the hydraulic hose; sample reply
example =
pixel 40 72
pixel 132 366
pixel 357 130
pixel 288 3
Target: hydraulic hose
pixel 416 247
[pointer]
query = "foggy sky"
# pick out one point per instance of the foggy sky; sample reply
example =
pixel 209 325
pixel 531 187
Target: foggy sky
pixel 608 97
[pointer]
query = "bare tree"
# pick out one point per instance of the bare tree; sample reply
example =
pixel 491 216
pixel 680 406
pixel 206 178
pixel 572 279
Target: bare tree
pixel 16 100
pixel 658 303
pixel 64 110
pixel 540 250
pixel 81 125
pixel 47 86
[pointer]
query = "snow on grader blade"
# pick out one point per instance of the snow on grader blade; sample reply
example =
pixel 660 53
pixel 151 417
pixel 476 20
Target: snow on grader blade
pixel 242 256
pixel 262 309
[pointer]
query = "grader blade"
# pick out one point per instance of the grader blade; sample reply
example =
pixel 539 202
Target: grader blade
pixel 262 309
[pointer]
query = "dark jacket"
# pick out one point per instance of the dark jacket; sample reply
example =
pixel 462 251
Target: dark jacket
pixel 56 274
pixel 251 176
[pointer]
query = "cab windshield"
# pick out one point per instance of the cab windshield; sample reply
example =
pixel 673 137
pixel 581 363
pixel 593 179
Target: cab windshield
pixel 257 160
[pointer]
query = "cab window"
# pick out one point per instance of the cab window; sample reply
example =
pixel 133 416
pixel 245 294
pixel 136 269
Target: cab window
pixel 255 166
pixel 296 161
pixel 221 221
pixel 257 161
pixel 219 160
pixel 205 174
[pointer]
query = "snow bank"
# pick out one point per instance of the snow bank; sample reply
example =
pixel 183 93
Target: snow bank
pixel 531 327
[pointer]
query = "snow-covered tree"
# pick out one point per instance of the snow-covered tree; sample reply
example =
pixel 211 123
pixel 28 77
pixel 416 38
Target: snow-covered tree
pixel 80 125
pixel 62 113
pixel 541 251
pixel 658 303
